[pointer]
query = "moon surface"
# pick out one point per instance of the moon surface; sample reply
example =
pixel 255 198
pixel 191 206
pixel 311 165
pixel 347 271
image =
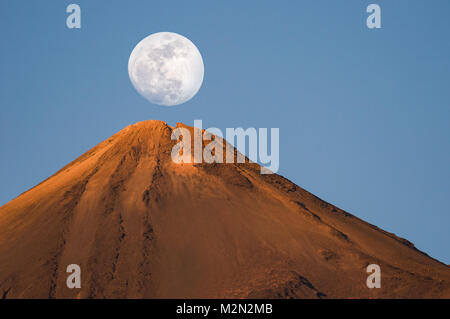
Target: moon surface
pixel 166 68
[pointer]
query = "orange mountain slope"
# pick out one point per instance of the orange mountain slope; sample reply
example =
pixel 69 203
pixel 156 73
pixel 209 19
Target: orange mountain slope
pixel 141 226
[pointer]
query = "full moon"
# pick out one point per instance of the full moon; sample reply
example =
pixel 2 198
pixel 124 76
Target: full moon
pixel 166 68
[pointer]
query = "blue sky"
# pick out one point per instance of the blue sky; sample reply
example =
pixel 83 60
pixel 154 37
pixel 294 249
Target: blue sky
pixel 363 114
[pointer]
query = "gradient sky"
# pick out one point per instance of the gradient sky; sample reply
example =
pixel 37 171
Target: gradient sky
pixel 363 114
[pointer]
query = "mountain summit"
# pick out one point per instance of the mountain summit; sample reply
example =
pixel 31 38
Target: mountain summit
pixel 141 226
